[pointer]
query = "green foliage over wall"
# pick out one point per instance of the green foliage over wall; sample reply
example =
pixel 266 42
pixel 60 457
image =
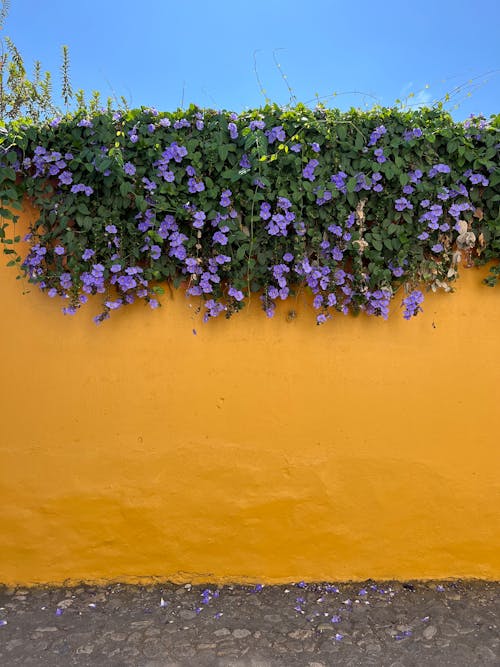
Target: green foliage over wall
pixel 358 207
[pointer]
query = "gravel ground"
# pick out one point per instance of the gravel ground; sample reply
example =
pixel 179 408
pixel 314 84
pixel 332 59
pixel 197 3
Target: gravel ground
pixel 388 624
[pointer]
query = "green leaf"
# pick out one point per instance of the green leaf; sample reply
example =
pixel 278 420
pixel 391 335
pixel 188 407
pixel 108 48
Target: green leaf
pixel 223 151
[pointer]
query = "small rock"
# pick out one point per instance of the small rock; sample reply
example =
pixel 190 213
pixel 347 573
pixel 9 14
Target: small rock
pixel 241 633
pixel 429 631
pixel 187 614
pixel 64 604
pixel 373 647
pixel 301 633
pixel 152 632
pixel 49 629
pixel 152 648
pixel 222 632
pixel 141 624
pixel 325 627
pixel 272 618
pixel 86 650
pixel 118 636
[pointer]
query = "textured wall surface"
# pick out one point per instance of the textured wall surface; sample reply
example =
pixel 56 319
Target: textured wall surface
pixel 264 450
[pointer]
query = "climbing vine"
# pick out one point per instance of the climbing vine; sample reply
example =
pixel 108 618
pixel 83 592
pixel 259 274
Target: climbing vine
pixel 357 207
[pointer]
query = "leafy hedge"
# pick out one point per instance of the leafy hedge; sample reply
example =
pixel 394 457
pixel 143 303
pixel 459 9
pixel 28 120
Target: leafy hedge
pixel 356 206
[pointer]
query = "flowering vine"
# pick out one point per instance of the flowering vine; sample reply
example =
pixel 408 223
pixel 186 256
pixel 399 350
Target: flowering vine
pixel 354 206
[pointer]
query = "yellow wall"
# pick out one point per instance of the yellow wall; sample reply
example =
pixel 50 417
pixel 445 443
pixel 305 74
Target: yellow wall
pixel 264 450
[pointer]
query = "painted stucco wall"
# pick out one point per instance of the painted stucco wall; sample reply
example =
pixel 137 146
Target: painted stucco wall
pixel 255 449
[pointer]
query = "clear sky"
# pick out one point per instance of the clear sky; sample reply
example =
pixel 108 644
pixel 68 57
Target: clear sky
pixel 167 54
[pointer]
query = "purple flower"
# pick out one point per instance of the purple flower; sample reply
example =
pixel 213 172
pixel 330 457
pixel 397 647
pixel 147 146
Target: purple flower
pixel 199 219
pixel 87 254
pixel 236 294
pixel 149 185
pixel 315 147
pixel 335 229
pixel 220 237
pixel 296 148
pixel 225 198
pixel 80 187
pixel 456 209
pixel 111 229
pixel 129 168
pixel 415 176
pixel 155 252
pixel 276 133
pixel 84 123
pixel 114 305
pixel 439 169
pixel 182 122
pixel 257 125
pixel 402 203
pixel 265 210
pixel 195 185
pixel 65 178
pixel 277 226
pixel 245 162
pixel 214 308
pixel 377 133
pixel 437 247
pixel 233 130
pixel 327 196
pixel 339 181
pixel 412 304
pixel 308 171
pixel 59 250
pixel 379 154
pixel 414 133
pixel 478 179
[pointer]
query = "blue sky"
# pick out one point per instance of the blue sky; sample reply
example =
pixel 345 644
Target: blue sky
pixel 167 54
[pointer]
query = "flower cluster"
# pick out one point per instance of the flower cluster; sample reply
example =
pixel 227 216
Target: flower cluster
pixel 350 207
